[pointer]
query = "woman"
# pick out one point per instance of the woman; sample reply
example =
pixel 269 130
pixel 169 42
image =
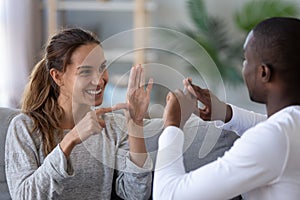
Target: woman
pixel 59 148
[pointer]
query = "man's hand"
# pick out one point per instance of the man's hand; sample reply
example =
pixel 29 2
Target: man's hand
pixel 179 107
pixel 214 109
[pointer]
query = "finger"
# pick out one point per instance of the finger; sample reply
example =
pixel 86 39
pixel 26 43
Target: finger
pixel 132 77
pixel 101 122
pixel 187 81
pixel 192 91
pixel 185 84
pixel 142 78
pixel 198 88
pixel 149 86
pixel 138 76
pixel 101 111
pixel 120 106
pixel 188 87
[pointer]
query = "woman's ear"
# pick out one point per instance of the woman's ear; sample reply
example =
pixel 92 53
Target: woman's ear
pixel 57 76
pixel 265 73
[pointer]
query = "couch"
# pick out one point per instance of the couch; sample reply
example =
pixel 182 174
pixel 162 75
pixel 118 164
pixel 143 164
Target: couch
pixel 6 115
pixel 203 143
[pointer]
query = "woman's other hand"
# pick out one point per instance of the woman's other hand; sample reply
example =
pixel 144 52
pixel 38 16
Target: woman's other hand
pixel 138 98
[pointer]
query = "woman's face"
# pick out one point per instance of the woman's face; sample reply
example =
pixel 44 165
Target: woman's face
pixel 86 77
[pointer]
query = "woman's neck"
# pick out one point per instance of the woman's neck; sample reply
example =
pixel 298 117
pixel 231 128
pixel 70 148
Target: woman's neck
pixel 73 113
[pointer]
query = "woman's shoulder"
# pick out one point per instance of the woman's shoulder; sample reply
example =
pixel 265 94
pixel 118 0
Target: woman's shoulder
pixel 21 120
pixel 22 126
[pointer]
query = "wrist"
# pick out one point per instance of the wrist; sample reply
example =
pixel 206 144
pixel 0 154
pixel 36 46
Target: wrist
pixel 135 128
pixel 135 122
pixel 68 143
pixel 139 122
pixel 172 123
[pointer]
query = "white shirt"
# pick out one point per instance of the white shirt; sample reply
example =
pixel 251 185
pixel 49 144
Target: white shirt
pixel 263 164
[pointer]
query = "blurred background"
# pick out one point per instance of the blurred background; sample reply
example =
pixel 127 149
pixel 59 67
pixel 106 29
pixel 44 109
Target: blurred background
pixel 173 39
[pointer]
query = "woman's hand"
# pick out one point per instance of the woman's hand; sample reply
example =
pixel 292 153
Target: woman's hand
pixel 214 109
pixel 90 124
pixel 138 98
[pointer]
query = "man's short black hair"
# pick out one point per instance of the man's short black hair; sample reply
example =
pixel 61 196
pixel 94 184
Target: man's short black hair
pixel 277 43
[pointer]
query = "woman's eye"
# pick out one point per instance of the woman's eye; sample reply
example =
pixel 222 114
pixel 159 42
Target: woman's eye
pixel 85 72
pixel 102 68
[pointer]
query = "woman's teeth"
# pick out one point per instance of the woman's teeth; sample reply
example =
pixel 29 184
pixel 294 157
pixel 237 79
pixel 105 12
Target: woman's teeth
pixel 94 92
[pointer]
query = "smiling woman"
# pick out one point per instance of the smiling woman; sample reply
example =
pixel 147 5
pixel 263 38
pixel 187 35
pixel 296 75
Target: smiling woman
pixel 58 148
pixel 85 78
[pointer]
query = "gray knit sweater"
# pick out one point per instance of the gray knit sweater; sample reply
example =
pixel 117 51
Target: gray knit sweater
pixel 89 172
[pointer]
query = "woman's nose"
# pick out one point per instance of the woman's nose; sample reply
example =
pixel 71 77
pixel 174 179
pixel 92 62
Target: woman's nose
pixel 97 78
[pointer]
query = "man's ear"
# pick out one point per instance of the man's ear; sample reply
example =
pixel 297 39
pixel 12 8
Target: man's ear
pixel 265 72
pixel 57 76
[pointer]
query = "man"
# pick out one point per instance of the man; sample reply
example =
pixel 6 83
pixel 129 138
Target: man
pixel 264 163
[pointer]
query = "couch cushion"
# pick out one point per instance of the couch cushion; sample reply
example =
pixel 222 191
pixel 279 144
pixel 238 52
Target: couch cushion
pixel 6 115
pixel 204 142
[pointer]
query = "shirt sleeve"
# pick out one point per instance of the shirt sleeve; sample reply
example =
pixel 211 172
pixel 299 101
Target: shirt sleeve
pixel 242 120
pixel 249 164
pixel 27 178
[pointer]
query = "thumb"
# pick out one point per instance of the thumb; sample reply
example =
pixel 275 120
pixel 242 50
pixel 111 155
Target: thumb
pixel 101 122
pixel 119 106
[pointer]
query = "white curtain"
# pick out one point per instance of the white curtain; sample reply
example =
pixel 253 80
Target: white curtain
pixel 17 47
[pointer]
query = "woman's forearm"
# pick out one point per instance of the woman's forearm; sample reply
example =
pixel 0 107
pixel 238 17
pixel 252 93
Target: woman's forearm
pixel 137 147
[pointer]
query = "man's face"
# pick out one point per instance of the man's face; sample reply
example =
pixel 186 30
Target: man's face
pixel 250 70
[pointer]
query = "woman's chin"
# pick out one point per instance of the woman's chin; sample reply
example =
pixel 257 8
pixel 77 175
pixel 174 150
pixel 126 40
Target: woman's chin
pixel 97 103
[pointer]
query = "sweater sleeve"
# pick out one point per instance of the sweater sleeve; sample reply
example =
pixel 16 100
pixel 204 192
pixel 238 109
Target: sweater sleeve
pixel 27 177
pixel 132 182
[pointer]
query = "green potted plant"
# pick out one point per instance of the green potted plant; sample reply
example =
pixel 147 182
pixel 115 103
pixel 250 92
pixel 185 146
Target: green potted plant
pixel 211 32
pixel 255 11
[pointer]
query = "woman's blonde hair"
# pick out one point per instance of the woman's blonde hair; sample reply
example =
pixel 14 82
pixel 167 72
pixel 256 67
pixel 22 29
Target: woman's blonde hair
pixel 41 93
